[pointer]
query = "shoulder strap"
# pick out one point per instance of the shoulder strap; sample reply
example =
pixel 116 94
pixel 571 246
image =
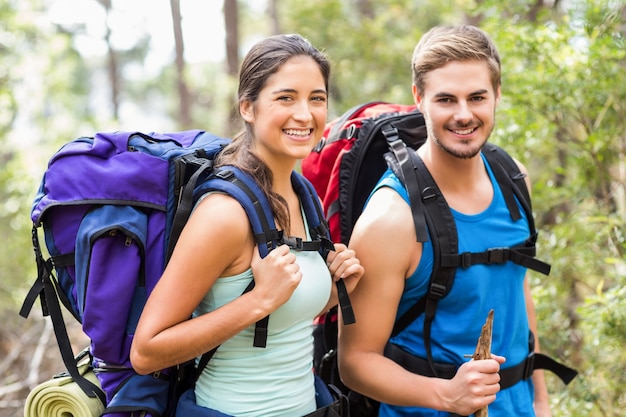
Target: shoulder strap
pixel 403 166
pixel 438 217
pixel 246 191
pixel 441 224
pixel 319 231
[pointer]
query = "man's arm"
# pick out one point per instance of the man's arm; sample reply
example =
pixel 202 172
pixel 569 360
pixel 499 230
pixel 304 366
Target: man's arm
pixel 384 240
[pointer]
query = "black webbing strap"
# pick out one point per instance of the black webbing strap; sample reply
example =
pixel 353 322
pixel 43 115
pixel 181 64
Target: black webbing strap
pixel 185 206
pixel 404 168
pixel 441 225
pixel 522 254
pixel 508 376
pixel 512 182
pixel 46 287
pixel 321 233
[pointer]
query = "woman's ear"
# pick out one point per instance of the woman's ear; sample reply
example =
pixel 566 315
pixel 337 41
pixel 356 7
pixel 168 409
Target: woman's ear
pixel 246 109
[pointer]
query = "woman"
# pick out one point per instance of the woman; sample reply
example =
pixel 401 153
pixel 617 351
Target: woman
pixel 283 94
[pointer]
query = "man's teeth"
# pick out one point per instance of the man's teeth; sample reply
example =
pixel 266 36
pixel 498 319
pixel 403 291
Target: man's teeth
pixel 464 132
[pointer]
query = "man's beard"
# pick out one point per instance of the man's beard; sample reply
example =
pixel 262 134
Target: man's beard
pixel 467 153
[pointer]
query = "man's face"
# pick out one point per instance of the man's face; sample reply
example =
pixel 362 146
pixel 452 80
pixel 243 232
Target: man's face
pixel 459 103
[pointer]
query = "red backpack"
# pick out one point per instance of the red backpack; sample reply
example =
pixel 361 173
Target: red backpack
pixel 331 166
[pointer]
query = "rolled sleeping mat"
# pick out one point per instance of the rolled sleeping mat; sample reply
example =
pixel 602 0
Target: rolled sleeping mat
pixel 62 397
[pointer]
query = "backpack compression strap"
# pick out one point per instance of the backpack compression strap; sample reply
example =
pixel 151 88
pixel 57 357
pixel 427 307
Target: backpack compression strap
pixel 47 288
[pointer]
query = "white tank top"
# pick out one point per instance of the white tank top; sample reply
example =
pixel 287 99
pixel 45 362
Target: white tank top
pixel 242 380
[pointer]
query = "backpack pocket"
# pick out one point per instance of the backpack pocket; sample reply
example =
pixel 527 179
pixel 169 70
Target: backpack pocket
pixel 145 395
pixel 110 278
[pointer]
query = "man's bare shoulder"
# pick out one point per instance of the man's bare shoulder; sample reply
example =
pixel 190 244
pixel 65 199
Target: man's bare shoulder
pixel 385 210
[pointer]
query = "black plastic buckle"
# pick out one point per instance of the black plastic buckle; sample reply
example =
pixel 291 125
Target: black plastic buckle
pixel 497 255
pixel 465 259
pixel 293 242
pixel 438 290
pixel 529 365
pixel 225 174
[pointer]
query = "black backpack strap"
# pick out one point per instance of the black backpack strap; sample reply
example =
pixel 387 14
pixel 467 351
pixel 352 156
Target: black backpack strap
pixel 401 163
pixel 441 224
pixel 512 183
pixel 202 166
pixel 319 231
pixel 47 289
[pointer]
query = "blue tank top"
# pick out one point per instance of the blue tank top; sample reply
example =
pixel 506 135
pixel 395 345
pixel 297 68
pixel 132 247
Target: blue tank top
pixel 278 380
pixel 460 315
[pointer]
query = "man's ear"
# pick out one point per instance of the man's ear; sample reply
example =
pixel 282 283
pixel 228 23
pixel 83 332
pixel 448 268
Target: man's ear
pixel 246 109
pixel 417 97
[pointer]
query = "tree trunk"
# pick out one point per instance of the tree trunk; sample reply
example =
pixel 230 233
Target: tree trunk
pixel 112 67
pixel 272 12
pixel 184 111
pixel 231 25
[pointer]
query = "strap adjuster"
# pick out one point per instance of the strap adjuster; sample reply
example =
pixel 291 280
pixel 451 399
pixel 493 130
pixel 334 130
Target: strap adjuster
pixel 437 290
pixel 293 242
pixel 529 365
pixel 465 259
pixel 497 255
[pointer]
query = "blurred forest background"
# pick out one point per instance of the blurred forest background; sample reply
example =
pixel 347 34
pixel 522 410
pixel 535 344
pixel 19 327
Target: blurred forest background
pixel 73 67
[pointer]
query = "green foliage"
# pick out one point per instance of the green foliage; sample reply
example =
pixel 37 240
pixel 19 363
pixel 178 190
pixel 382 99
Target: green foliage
pixel 561 114
pixel 45 82
pixel 370 51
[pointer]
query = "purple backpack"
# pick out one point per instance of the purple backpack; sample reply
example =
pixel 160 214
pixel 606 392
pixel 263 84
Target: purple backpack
pixel 111 208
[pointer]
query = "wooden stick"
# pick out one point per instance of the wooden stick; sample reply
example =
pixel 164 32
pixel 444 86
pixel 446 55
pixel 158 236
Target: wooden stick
pixel 483 351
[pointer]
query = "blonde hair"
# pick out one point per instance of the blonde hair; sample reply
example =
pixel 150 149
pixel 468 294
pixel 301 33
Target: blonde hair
pixel 444 44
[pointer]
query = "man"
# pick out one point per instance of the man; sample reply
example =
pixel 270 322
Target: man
pixel 456 85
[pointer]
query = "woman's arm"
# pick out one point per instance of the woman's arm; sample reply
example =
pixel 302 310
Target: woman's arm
pixel 216 241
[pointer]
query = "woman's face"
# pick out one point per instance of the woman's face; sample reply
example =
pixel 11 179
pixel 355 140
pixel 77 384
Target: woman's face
pixel 289 115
